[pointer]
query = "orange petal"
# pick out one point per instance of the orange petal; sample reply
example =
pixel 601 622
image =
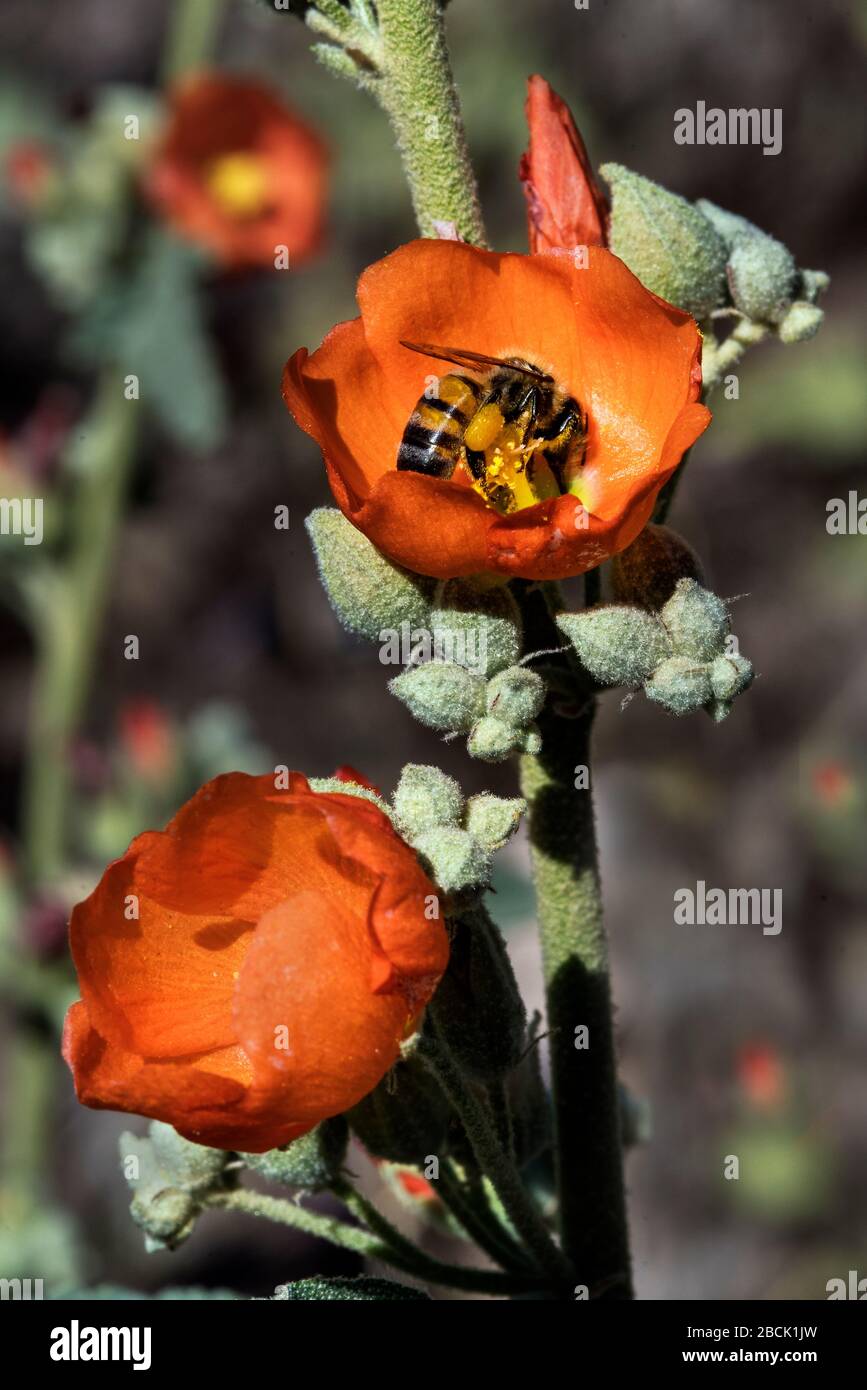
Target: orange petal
pixel 565 205
pixel 318 1038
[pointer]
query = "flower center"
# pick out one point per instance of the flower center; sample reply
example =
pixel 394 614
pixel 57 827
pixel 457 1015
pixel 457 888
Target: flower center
pixel 534 456
pixel 238 184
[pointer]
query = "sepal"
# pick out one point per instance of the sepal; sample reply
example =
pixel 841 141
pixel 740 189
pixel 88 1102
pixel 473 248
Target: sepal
pixel 368 593
pixel 311 1162
pixel 666 241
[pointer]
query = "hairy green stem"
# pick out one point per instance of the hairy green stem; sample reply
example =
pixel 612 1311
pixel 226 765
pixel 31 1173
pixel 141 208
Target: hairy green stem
pixel 417 91
pixel 468 1203
pixel 588 1153
pixel 69 615
pixel 384 1244
pixel 584 1081
pixel 190 35
pixel 494 1161
pixel 29 1069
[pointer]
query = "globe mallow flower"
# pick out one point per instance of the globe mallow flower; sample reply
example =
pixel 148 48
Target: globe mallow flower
pixel 252 969
pixel 630 361
pixel 239 173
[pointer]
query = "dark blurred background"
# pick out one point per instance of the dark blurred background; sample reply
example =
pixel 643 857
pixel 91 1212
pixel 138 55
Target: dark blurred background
pixel 735 1042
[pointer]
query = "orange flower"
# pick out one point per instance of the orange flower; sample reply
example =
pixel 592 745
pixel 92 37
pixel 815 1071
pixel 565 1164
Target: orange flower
pixel 239 173
pixel 565 205
pixel 629 359
pixel 252 969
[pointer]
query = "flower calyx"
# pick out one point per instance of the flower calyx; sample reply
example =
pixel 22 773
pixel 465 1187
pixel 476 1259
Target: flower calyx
pixel 170 1178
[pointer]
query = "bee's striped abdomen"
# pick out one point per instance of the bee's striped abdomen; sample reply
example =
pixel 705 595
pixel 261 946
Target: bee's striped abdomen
pixel 433 439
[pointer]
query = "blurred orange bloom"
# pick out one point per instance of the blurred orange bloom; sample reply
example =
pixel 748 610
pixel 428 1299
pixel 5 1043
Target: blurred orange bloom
pixel 147 738
pixel 239 173
pixel 29 168
pixel 629 359
pixel 252 969
pixel 565 205
pixel 762 1075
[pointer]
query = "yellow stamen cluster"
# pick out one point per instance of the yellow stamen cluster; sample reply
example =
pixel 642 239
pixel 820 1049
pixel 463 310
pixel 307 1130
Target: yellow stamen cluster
pixel 238 183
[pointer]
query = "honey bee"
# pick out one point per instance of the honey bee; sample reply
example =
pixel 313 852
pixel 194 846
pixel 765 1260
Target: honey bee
pixel 520 437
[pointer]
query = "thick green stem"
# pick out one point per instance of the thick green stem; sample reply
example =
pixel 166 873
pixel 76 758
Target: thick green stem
pixel 190 36
pixel 68 620
pixel 589 1159
pixel 495 1162
pixel 584 1080
pixel 417 91
pixel 28 1076
pixel 390 1247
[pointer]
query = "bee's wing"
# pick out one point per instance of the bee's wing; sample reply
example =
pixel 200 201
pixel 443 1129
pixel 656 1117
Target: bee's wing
pixel 462 357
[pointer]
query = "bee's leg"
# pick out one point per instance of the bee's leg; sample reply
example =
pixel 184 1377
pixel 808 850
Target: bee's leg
pixel 475 459
pixel 561 442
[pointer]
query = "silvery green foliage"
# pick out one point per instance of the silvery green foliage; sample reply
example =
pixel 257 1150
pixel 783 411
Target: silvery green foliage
pixel 367 592
pixel 169 1177
pixel 678 655
pixel 454 839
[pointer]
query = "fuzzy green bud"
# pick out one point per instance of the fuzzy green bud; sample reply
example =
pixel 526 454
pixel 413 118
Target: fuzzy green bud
pixel 169 1176
pixel 426 797
pixel 680 685
pixel 812 284
pixel 730 676
pixel 516 695
pixel 801 321
pixel 762 274
pixel 367 592
pixel 493 820
pixel 455 859
pixel 730 225
pixel 646 572
pixel 475 627
pixel 696 620
pixel 618 645
pixel 441 695
pixel 166 1217
pixel 493 739
pixel 311 1162
pixel 192 1167
pixel 666 241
